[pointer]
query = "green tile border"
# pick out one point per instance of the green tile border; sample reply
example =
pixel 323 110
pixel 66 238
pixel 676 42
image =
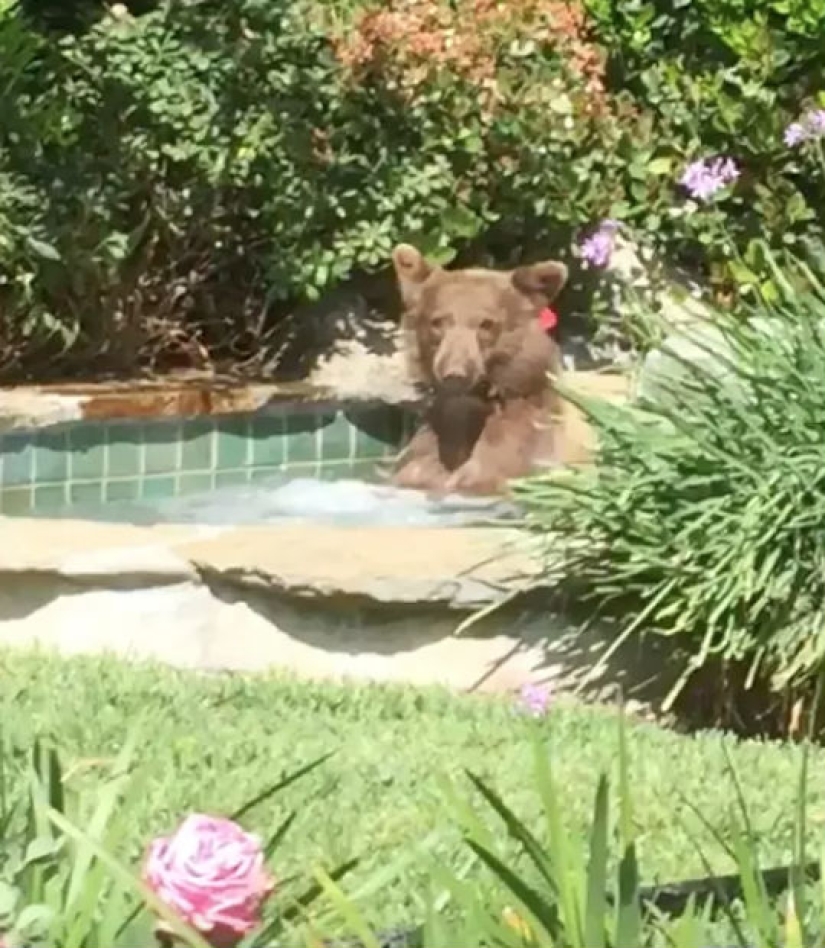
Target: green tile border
pixel 96 462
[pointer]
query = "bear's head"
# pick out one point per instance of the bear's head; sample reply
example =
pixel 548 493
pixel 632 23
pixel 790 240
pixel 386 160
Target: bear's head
pixel 477 331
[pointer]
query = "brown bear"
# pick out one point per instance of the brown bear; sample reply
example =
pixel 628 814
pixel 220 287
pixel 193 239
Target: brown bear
pixel 475 345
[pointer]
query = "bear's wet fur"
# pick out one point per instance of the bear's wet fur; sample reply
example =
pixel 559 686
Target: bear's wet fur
pixel 475 346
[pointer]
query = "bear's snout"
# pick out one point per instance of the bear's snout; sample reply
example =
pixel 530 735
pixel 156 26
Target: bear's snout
pixel 453 385
pixel 458 364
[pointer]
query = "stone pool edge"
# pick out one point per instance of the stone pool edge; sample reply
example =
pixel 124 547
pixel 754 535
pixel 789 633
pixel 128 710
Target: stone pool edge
pixel 283 598
pixel 27 407
pixel 33 406
pixel 391 565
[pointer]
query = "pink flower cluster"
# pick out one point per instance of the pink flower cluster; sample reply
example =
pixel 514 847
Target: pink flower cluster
pixel 705 177
pixel 809 127
pixel 535 699
pixel 212 874
pixel 598 247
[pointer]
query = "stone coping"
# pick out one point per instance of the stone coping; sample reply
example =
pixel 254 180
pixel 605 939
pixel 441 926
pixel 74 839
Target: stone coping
pixel 444 567
pixel 417 605
pixel 40 405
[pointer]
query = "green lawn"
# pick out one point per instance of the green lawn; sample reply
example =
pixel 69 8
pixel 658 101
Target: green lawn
pixel 212 743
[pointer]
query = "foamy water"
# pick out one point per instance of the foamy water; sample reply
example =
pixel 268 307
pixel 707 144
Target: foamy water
pixel 343 502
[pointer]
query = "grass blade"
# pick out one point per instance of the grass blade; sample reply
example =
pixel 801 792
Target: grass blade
pixel 188 936
pixel 596 907
pixel 279 785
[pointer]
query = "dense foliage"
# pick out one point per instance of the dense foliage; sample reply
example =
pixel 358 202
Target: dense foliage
pixel 173 180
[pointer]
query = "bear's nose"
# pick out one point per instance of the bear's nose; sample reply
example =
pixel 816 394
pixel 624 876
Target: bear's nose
pixel 455 385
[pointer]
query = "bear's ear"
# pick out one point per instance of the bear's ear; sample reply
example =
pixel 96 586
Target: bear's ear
pixel 542 282
pixel 411 270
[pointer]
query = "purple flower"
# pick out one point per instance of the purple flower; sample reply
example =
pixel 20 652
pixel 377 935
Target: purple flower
pixel 703 178
pixel 811 125
pixel 598 247
pixel 534 699
pixel 794 134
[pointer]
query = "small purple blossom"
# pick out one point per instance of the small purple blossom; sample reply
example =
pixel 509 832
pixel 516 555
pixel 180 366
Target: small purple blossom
pixel 811 125
pixel 598 247
pixel 534 699
pixel 794 134
pixel 706 176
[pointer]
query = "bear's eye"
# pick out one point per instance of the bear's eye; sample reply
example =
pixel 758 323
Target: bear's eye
pixel 487 325
pixel 437 323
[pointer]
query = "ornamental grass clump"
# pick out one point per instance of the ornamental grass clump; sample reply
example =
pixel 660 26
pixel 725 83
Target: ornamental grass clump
pixel 703 518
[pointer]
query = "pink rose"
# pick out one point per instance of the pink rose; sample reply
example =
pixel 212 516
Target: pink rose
pixel 212 874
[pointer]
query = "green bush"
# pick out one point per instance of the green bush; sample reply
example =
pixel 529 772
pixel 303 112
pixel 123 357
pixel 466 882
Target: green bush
pixel 724 78
pixel 173 182
pixel 178 173
pixel 704 517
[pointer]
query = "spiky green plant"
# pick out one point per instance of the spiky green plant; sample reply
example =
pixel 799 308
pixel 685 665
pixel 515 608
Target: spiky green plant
pixel 565 890
pixel 703 518
pixel 587 893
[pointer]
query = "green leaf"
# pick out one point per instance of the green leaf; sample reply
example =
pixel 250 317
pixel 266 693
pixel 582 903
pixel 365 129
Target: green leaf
pixel 517 830
pixel 461 222
pixel 628 914
pixel 596 908
pixel 660 166
pixel 564 854
pixel 40 849
pixel 279 785
pixel 542 911
pixel 355 921
pixel 769 291
pixel 741 273
pixel 627 833
pixel 34 921
pixel 796 912
pixel 42 249
pixel 9 897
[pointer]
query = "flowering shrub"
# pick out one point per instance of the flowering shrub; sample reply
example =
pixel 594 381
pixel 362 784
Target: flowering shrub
pixel 730 75
pixel 230 194
pixel 173 183
pixel 413 41
pixel 597 249
pixel 811 127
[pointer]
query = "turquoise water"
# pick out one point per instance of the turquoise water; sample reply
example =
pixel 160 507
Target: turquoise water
pixel 282 499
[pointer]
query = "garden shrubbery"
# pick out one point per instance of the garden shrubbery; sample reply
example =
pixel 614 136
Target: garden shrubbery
pixel 179 173
pixel 173 181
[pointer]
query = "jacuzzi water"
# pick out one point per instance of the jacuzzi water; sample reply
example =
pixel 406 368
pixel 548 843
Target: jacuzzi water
pixel 352 502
